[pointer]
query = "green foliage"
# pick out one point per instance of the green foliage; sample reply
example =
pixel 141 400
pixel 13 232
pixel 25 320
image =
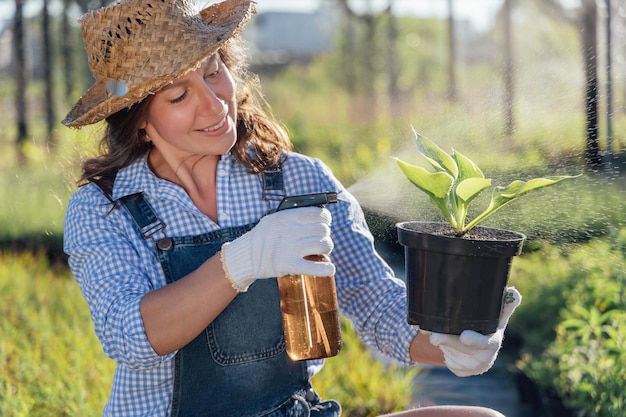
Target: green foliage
pixel 573 322
pixel 591 358
pixel 543 277
pixel 35 194
pixel 34 204
pixel 362 383
pixel 51 363
pixel 457 181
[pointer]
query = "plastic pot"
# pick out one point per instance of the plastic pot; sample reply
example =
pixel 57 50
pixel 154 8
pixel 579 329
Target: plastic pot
pixel 456 283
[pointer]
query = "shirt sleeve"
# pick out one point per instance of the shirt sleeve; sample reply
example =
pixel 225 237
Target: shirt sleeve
pixel 368 292
pixel 109 270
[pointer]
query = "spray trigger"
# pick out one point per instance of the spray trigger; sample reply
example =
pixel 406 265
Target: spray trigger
pixel 307 200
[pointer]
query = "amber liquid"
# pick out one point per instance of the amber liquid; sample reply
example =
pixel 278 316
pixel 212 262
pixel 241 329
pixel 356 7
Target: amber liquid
pixel 310 316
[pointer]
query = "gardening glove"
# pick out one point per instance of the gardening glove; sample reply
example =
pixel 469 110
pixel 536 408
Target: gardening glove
pixel 277 245
pixel 472 353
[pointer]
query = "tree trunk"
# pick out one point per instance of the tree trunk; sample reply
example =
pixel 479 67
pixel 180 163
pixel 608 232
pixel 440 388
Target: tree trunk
pixel 590 56
pixel 392 63
pixel 47 70
pixel 67 51
pixel 452 93
pixel 348 54
pixel 369 55
pixel 366 53
pixel 609 92
pixel 623 53
pixel 20 82
pixel 509 69
pixel 622 28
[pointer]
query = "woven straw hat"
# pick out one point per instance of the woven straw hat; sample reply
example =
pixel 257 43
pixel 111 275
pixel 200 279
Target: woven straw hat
pixel 136 47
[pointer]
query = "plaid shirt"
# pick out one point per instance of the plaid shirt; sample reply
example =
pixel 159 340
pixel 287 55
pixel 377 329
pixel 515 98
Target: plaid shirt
pixel 115 267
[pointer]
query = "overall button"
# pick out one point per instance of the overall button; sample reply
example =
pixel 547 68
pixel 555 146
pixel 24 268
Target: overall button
pixel 310 395
pixel 165 244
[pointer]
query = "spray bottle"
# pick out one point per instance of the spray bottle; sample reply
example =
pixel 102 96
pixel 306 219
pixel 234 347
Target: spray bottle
pixel 309 304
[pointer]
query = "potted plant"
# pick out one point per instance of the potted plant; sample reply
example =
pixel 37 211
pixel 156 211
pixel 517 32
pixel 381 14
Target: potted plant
pixel 456 271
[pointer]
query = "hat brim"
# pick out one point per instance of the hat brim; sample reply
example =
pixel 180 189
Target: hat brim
pixel 98 102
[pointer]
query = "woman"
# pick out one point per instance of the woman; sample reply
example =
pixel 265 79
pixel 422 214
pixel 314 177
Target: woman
pixel 171 240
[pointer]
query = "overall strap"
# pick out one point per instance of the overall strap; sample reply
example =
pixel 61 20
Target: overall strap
pixel 144 217
pixel 105 183
pixel 273 186
pixel 146 220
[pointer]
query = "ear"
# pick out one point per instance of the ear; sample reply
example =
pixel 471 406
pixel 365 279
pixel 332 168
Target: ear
pixel 143 124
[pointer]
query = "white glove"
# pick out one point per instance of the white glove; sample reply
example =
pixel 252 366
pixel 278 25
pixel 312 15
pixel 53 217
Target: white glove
pixel 472 353
pixel 277 245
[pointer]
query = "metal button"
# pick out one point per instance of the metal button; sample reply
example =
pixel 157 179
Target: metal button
pixel 165 244
pixel 310 395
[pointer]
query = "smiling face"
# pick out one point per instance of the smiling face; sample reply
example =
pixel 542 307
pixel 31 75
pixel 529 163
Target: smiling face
pixel 195 116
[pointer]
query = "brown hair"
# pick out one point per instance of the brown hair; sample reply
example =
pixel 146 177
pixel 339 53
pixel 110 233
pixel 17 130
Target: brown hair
pixel 261 140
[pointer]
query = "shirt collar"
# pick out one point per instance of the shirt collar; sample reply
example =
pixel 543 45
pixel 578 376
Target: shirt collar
pixel 134 178
pixel 138 177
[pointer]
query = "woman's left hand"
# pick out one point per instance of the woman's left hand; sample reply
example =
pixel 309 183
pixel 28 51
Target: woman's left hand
pixel 472 353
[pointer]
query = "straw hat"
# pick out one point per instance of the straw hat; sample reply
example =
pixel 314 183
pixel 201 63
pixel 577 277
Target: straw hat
pixel 136 47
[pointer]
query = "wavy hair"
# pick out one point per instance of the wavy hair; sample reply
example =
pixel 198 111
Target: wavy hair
pixel 261 140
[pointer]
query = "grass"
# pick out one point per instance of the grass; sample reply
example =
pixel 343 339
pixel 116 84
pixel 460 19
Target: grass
pixel 51 363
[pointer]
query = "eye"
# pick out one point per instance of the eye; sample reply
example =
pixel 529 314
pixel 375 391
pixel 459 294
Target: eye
pixel 212 71
pixel 212 74
pixel 179 98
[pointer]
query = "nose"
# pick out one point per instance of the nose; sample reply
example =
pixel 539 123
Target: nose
pixel 210 101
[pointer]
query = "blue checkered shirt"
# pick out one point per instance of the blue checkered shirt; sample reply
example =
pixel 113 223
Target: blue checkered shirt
pixel 115 268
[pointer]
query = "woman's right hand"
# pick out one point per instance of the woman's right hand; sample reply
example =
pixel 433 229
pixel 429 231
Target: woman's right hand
pixel 277 245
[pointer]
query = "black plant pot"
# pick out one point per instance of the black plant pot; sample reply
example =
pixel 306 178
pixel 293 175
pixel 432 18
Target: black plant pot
pixel 456 283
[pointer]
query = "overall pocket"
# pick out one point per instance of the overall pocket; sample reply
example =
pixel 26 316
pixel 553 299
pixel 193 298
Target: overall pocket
pixel 250 328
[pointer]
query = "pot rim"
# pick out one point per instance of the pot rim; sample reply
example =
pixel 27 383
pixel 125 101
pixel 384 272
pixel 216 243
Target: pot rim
pixel 416 239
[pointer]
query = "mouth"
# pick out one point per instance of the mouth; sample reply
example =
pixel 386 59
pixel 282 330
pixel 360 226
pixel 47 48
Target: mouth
pixel 215 127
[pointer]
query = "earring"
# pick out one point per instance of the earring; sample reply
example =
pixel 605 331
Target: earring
pixel 144 136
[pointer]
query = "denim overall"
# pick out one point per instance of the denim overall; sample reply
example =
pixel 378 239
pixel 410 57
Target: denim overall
pixel 238 365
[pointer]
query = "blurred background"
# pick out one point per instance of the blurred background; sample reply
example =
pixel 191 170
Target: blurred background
pixel 525 88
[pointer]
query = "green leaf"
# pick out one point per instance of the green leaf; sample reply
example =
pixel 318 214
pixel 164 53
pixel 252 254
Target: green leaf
pixel 468 189
pixel 443 206
pixel 436 156
pixel 518 188
pixel 467 168
pixel 435 184
pixel 504 195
